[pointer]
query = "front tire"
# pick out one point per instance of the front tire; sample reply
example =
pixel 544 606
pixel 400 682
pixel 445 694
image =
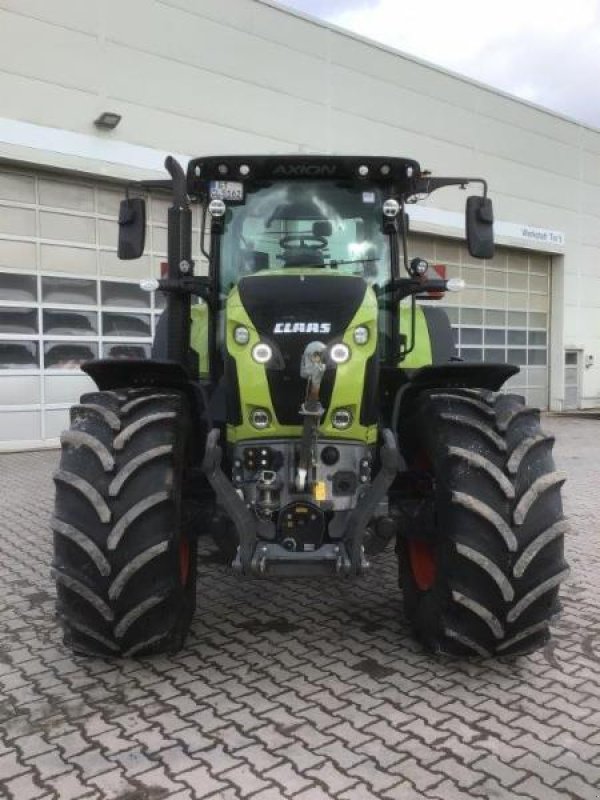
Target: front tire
pixel 487 580
pixel 124 562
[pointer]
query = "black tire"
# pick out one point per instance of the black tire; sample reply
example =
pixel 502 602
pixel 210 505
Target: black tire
pixel 124 565
pixel 497 550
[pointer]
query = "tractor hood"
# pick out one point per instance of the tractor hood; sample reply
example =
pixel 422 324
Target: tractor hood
pixel 289 310
pixel 298 306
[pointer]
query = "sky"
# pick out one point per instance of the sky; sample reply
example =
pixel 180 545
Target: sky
pixel 542 51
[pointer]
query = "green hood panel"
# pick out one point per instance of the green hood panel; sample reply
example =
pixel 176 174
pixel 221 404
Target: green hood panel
pixel 348 381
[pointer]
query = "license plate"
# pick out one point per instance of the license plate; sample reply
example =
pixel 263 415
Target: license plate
pixel 228 191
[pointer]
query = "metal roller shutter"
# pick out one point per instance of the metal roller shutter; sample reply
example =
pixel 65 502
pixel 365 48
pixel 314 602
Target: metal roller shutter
pixel 504 313
pixel 64 295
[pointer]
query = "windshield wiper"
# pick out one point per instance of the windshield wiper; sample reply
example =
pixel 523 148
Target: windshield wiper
pixel 341 263
pixel 354 261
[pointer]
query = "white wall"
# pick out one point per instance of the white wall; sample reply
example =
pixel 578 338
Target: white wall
pixel 240 75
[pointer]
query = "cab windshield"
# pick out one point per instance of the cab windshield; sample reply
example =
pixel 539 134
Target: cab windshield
pixel 322 225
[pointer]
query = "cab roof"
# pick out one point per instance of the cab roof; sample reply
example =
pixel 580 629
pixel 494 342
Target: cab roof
pixel 401 172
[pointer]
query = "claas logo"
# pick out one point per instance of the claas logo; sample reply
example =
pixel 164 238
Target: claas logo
pixel 302 327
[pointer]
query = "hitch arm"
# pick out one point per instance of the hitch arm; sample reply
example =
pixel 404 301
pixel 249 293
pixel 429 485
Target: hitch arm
pixel 243 519
pixel 392 462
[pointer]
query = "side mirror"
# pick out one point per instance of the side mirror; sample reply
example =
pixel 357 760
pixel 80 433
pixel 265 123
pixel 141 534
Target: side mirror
pixel 132 228
pixel 480 227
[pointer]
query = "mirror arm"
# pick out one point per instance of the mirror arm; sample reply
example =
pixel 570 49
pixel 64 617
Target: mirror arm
pixel 398 289
pixel 428 185
pixel 197 285
pixel 166 185
pixel 148 186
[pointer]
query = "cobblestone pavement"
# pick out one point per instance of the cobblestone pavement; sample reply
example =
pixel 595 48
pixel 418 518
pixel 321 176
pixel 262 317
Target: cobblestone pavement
pixel 303 690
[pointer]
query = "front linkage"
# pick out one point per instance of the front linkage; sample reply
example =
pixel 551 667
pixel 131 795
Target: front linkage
pixel 344 557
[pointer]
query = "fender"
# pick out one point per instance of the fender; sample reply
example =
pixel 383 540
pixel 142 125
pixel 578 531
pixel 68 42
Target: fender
pixel 112 373
pixel 453 375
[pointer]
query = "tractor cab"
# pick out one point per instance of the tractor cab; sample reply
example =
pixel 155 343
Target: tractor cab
pixel 325 216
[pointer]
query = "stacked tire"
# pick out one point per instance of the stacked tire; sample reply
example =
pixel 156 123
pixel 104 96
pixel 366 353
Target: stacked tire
pixel 124 564
pixel 486 581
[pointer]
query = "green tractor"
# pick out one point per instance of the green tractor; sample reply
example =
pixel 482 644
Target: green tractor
pixel 303 409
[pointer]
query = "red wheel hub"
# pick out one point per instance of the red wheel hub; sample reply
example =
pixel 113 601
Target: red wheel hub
pixel 422 563
pixel 184 560
pixel 421 554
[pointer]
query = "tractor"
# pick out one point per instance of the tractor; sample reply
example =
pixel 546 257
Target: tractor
pixel 304 406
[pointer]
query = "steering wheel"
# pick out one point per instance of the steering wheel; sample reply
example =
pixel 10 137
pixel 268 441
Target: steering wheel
pixel 300 240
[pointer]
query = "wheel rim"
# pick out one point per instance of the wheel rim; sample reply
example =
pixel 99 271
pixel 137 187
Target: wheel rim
pixel 184 560
pixel 422 563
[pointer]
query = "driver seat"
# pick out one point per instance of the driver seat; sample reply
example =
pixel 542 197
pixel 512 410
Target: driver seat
pixel 302 256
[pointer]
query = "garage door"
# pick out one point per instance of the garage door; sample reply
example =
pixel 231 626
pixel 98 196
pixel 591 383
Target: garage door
pixel 64 295
pixel 503 314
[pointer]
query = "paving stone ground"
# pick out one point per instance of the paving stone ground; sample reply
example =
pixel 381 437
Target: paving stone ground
pixel 303 690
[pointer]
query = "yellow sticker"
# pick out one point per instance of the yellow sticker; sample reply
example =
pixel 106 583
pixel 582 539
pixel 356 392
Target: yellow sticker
pixel 320 491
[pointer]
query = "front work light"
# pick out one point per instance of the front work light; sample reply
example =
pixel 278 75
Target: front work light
pixel 241 335
pixel 341 419
pixel 361 335
pixel 260 418
pixel 418 267
pixel 217 208
pixel 391 208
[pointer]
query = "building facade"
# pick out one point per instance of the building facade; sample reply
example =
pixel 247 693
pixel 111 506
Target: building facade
pixel 193 77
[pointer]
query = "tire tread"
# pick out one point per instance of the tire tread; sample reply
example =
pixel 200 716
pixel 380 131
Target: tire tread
pixel 117 522
pixel 499 546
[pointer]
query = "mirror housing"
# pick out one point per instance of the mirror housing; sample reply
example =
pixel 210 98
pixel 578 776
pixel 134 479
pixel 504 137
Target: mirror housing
pixel 479 225
pixel 132 228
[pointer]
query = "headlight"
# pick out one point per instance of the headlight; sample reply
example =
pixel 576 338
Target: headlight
pixel 391 208
pixel 262 353
pixel 340 353
pixel 361 335
pixel 341 418
pixel 241 334
pixel 217 208
pixel 260 418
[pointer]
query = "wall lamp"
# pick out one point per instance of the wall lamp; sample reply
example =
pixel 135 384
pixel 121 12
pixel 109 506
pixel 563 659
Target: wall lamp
pixel 107 121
